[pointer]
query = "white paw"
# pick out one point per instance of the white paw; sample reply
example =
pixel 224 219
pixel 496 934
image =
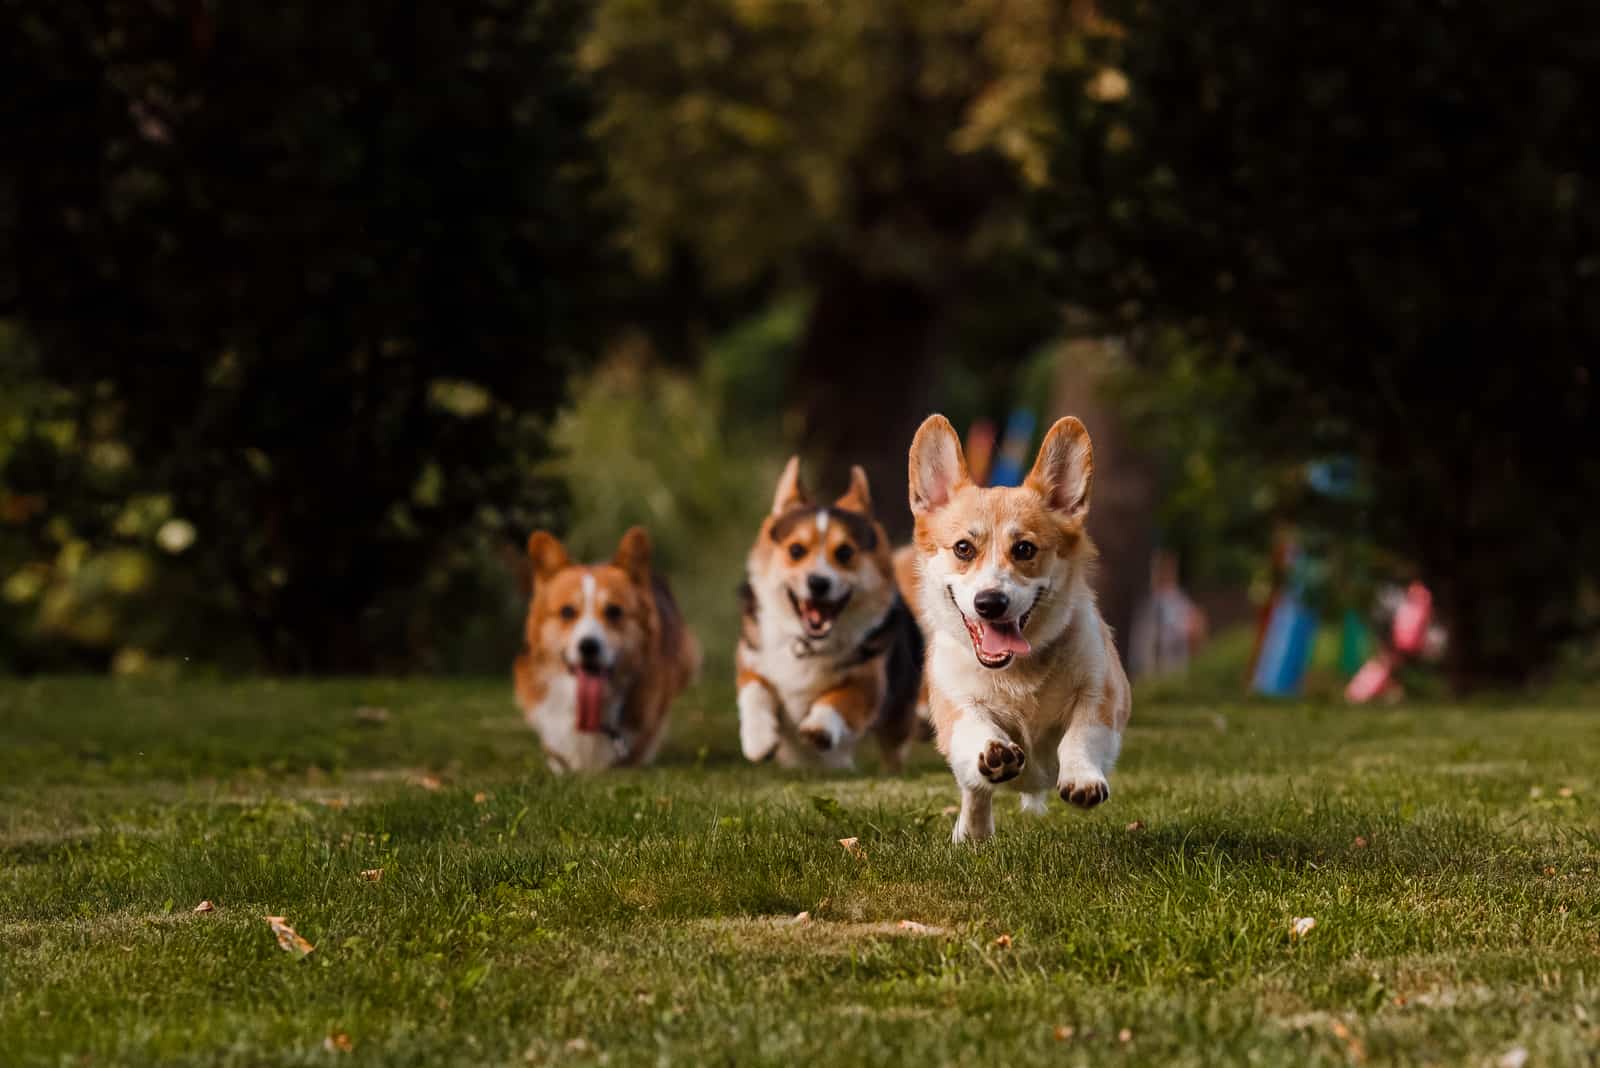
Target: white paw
pixel 1084 787
pixel 824 728
pixel 758 731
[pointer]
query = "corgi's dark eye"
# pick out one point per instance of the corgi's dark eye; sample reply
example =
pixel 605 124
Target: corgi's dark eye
pixel 843 553
pixel 613 613
pixel 1024 550
pixel 796 550
pixel 569 612
pixel 965 550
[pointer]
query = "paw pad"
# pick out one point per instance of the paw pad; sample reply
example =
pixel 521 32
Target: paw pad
pixel 818 737
pixel 1001 761
pixel 1086 794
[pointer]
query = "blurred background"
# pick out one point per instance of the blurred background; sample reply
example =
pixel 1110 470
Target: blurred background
pixel 310 313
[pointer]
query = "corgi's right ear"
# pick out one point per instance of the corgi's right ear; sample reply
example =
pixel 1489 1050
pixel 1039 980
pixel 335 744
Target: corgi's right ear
pixel 791 491
pixel 938 466
pixel 547 554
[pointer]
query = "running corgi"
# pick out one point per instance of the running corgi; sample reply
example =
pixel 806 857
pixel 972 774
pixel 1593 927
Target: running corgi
pixel 827 650
pixel 1025 686
pixel 606 652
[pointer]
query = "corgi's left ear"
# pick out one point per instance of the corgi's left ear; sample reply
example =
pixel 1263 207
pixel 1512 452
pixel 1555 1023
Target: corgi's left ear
pixel 858 498
pixel 791 492
pixel 547 554
pixel 633 555
pixel 938 466
pixel 1064 471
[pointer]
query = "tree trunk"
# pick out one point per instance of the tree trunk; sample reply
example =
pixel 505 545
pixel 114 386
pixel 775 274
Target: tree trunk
pixel 865 381
pixel 1122 505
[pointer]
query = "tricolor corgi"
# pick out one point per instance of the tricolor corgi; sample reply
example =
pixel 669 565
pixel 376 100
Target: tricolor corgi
pixel 606 652
pixel 827 649
pixel 1025 686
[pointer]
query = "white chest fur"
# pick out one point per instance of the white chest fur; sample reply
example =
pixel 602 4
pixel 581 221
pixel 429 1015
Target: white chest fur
pixel 555 720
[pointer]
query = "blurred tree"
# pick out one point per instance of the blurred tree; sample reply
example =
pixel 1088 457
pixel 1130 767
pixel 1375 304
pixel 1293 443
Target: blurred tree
pixel 872 155
pixel 1382 233
pixel 321 267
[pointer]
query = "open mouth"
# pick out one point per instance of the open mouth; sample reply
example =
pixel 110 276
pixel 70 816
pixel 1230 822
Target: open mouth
pixel 996 642
pixel 818 617
pixel 594 686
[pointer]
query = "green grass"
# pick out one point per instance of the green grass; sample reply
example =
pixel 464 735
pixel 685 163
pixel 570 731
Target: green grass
pixel 635 918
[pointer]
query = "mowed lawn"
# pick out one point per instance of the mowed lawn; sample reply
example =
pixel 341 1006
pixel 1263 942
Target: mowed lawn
pixel 1448 856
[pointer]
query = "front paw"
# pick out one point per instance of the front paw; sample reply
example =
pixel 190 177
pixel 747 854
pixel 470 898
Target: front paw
pixel 824 728
pixel 1001 761
pixel 1085 791
pixel 758 736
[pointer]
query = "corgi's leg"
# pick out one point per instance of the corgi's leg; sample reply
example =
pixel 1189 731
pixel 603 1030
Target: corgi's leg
pixel 982 757
pixel 758 719
pixel 1087 752
pixel 976 822
pixel 837 718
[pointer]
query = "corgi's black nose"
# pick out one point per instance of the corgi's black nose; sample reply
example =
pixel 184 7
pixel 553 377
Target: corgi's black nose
pixel 589 650
pixel 991 604
pixel 818 585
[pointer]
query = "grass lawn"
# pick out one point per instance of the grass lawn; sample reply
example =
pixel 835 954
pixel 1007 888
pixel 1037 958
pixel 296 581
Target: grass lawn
pixel 1447 854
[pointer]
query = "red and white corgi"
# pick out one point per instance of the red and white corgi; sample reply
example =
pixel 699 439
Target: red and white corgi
pixel 827 650
pixel 606 652
pixel 1025 685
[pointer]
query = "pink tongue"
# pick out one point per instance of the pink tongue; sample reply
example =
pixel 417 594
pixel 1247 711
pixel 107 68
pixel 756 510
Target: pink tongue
pixel 591 702
pixel 1002 638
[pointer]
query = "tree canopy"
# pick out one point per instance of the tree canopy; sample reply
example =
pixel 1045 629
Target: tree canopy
pixel 319 269
pixel 1384 232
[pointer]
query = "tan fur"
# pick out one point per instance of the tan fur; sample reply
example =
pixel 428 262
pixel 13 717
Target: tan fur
pixel 1042 703
pixel 657 656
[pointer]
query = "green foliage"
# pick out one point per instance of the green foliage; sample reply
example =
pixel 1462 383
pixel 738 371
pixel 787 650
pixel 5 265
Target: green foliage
pixel 1378 237
pixel 320 272
pixel 693 457
pixel 1448 856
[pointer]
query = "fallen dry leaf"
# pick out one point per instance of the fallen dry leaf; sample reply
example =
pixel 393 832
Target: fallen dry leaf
pixel 1136 825
pixel 372 715
pixel 1360 842
pixel 579 1045
pixel 1536 792
pixel 205 906
pixel 1302 926
pixel 1063 1033
pixel 1515 1057
pixel 950 810
pixel 920 928
pixel 429 782
pixel 1353 1047
pixel 801 917
pixel 336 802
pixel 1003 942
pixel 1565 791
pixel 288 939
pixel 1549 870
pixel 372 875
pixel 480 798
pixel 853 847
pixel 1124 1035
pixel 338 1042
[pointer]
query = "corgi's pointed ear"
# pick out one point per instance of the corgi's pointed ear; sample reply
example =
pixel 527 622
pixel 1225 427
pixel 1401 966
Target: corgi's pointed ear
pixel 938 466
pixel 791 491
pixel 633 555
pixel 858 498
pixel 547 554
pixel 1064 470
